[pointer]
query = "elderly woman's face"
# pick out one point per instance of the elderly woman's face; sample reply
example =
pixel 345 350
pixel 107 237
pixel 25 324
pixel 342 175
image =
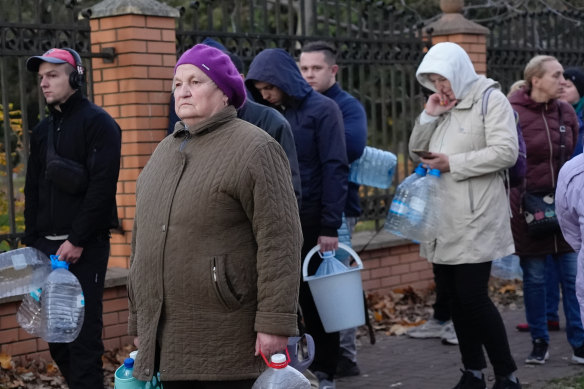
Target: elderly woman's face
pixel 442 86
pixel 196 96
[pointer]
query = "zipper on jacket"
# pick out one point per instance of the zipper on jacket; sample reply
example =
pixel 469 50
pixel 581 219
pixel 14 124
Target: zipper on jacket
pixel 551 150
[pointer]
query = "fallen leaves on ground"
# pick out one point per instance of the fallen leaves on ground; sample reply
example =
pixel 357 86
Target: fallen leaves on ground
pixel 395 313
pixel 392 314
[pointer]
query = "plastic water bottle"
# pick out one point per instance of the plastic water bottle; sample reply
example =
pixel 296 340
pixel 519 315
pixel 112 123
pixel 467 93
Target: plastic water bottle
pixel 344 237
pixel 63 307
pixel 329 265
pixel 22 270
pixel 374 168
pixel 29 312
pixel 279 375
pixel 128 369
pixel 423 208
pixel 397 218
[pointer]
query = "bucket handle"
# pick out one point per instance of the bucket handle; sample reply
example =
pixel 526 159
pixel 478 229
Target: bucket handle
pixel 317 248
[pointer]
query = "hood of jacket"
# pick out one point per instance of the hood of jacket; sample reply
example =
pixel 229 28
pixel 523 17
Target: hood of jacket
pixel 276 67
pixel 451 62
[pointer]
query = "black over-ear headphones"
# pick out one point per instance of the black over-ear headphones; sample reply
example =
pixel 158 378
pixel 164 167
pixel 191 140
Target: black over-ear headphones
pixel 77 76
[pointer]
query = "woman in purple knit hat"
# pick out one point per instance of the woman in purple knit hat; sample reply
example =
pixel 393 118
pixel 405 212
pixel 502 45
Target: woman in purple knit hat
pixel 216 242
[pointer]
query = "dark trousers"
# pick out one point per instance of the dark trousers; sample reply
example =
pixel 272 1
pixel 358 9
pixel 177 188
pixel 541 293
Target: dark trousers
pixel 442 304
pixel 326 345
pixel 241 384
pixel 476 319
pixel 80 361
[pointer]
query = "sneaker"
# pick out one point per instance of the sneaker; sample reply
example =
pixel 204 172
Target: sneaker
pixel 325 381
pixel 430 329
pixel 551 324
pixel 506 383
pixel 578 356
pixel 347 368
pixel 449 335
pixel 539 354
pixel 469 381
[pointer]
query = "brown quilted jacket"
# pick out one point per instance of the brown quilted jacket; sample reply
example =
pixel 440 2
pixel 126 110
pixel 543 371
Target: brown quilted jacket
pixel 215 252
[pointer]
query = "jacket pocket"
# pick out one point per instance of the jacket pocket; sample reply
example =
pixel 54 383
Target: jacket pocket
pixel 223 288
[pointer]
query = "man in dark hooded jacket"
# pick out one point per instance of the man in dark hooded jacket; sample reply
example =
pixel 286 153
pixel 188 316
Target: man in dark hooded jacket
pixel 317 124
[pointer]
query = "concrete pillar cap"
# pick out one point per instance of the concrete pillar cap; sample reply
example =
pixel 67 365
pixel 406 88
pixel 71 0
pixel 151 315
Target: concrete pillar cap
pixel 108 8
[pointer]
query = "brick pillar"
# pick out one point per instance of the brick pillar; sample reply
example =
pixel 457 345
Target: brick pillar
pixel 454 27
pixel 134 89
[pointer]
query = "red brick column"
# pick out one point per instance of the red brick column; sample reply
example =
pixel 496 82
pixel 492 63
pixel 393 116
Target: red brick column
pixel 135 90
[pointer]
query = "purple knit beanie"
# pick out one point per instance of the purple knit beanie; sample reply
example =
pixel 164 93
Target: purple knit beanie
pixel 217 65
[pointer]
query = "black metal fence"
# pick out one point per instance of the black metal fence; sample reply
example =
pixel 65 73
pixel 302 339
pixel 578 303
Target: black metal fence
pixel 515 40
pixel 379 50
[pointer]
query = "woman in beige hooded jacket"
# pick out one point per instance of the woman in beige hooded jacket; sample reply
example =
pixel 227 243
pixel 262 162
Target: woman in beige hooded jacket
pixel 472 153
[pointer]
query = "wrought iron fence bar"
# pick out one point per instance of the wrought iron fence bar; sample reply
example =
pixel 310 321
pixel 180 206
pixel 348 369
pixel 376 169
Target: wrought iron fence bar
pixel 22 75
pixel 8 148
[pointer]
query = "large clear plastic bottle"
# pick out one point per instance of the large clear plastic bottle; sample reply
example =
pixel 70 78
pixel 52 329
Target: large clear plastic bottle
pixel 22 270
pixel 374 168
pixel 29 312
pixel 397 218
pixel 63 307
pixel 423 208
pixel 279 375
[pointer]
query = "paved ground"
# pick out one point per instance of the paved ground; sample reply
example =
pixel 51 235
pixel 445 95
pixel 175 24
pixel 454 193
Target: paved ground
pixel 405 363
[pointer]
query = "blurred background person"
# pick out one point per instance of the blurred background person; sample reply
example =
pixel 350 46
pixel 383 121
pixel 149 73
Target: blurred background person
pixel 542 116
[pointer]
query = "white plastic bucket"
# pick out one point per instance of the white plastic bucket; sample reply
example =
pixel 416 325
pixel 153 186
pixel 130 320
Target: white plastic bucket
pixel 339 296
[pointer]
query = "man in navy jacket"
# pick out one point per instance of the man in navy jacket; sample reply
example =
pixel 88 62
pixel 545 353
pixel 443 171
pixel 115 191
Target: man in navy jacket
pixel 317 124
pixel 319 68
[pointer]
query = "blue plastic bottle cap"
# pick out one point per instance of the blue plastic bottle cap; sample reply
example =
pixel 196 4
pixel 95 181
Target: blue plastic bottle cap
pixel 420 170
pixel 58 264
pixel 129 363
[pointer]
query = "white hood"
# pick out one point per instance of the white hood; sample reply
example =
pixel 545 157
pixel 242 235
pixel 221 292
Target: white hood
pixel 451 62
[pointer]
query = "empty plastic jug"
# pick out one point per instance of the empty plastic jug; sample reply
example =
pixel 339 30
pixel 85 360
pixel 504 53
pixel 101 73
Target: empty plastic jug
pixel 22 270
pixel 374 168
pixel 63 307
pixel 397 218
pixel 29 312
pixel 279 375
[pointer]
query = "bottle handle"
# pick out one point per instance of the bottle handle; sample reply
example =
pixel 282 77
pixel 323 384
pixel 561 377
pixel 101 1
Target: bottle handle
pixel 277 365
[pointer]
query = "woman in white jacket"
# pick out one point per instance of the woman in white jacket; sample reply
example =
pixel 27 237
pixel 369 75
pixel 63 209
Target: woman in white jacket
pixel 472 152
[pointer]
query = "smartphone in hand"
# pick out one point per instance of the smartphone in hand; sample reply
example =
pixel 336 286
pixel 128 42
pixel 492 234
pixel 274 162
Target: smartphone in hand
pixel 423 153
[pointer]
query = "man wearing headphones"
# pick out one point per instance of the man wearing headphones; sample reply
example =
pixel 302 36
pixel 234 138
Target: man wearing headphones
pixel 70 203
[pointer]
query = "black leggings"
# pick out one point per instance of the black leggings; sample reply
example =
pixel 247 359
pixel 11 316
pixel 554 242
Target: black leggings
pixel 476 320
